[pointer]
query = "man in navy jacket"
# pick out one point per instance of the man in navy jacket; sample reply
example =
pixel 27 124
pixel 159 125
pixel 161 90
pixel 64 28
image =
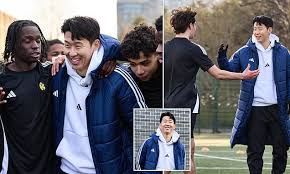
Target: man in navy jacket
pixel 262 116
pixel 163 150
pixel 93 116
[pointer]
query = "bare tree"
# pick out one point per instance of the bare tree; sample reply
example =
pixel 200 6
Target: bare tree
pixel 279 10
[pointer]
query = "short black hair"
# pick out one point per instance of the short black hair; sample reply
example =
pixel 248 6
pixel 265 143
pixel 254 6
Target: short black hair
pixel 52 42
pixel 159 23
pixel 267 21
pixel 13 38
pixel 170 115
pixel 181 19
pixel 141 38
pixel 82 27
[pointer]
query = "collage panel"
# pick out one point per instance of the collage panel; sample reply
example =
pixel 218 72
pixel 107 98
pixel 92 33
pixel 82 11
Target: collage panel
pixel 220 60
pixel 140 31
pixel 162 139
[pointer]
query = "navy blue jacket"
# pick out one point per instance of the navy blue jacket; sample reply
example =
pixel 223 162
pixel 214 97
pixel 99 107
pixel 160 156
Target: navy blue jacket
pixel 281 67
pixel 149 152
pixel 109 107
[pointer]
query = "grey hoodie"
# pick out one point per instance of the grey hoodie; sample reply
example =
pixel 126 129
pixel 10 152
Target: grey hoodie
pixel 166 155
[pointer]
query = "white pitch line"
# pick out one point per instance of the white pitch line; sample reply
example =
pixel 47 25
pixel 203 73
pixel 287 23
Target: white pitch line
pixel 217 157
pixel 225 151
pixel 228 168
pixel 244 158
pixel 229 159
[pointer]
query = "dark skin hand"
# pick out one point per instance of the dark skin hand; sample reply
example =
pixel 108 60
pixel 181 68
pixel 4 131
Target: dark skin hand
pixel 2 95
pixel 108 68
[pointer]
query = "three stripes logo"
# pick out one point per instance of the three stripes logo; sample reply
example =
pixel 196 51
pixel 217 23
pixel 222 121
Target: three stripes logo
pixel 11 94
pixel 55 93
pixel 79 107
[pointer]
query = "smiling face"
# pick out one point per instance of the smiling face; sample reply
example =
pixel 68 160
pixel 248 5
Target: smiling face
pixel 167 125
pixel 262 33
pixel 29 45
pixel 79 52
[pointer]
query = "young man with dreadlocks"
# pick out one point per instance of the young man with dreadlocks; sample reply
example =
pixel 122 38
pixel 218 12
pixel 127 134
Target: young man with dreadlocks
pixel 25 102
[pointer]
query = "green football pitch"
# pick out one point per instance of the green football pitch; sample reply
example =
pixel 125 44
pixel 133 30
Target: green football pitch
pixel 214 156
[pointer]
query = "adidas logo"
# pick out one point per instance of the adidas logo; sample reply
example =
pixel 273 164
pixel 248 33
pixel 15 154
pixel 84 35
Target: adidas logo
pixel 55 93
pixel 251 60
pixel 167 155
pixel 11 94
pixel 152 150
pixel 79 107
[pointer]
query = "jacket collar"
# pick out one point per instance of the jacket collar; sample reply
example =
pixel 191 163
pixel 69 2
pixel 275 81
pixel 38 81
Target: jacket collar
pixel 111 51
pixel 273 38
pixel 158 136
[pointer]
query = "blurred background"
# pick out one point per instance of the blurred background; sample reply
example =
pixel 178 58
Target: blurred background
pixel 134 12
pixel 50 14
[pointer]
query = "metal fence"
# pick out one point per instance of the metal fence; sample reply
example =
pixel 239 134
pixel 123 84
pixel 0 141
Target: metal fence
pixel 219 100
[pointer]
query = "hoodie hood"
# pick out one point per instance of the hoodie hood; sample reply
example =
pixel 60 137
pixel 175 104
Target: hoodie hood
pixel 94 64
pixel 174 138
pixel 273 39
pixel 111 46
pixel 112 51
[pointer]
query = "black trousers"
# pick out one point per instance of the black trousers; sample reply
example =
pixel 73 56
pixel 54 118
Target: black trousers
pixel 263 122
